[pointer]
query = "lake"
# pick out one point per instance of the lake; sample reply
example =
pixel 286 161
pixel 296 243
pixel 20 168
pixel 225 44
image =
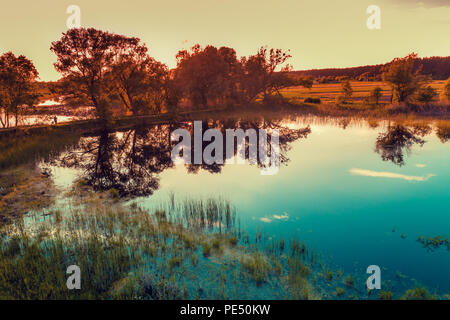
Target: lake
pixel 359 192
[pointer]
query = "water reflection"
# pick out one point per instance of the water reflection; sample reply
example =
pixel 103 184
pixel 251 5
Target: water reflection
pixel 286 137
pixel 335 189
pixel 443 132
pixel 390 175
pixel 398 140
pixel 130 161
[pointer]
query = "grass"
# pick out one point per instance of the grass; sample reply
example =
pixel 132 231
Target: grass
pixel 22 148
pixel 127 252
pixel 339 291
pixel 349 281
pixel 327 93
pixel 206 249
pixel 418 293
pixel 321 100
pixel 117 246
pixel 435 242
pixel 386 295
pixel 257 266
pixel 328 275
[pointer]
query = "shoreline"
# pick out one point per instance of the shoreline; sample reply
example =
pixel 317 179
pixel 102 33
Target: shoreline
pixel 353 110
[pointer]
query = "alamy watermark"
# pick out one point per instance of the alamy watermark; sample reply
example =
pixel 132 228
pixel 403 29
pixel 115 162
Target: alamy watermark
pixel 261 149
pixel 74 20
pixel 74 280
pixel 374 20
pixel 374 281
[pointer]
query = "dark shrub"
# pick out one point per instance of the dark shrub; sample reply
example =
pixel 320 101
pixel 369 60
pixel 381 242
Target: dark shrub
pixel 312 100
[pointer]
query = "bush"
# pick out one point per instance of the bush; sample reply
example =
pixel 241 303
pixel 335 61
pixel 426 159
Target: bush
pixel 340 100
pixel 206 249
pixel 313 100
pixel 426 94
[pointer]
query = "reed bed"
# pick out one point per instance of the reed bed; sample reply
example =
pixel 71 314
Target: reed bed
pixel 184 249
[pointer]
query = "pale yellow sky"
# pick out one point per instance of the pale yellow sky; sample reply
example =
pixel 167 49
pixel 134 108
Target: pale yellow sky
pixel 319 33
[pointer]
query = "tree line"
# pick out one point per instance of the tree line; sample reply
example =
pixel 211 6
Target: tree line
pixel 110 71
pixel 437 67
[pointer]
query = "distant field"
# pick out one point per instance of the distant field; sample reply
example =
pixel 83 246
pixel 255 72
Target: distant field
pixel 328 92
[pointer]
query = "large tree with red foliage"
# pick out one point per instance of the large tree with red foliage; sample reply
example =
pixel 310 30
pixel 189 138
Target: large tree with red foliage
pixel 17 76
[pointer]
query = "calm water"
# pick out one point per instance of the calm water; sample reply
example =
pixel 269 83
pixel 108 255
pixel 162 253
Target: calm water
pixel 358 194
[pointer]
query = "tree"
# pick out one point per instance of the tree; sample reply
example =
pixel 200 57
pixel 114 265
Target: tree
pixel 207 74
pixel 426 94
pixel 160 87
pixel 376 95
pixel 84 58
pixel 138 81
pixel 346 93
pixel 260 74
pixel 17 77
pixel 404 81
pixel 126 77
pixel 347 90
pixel 446 90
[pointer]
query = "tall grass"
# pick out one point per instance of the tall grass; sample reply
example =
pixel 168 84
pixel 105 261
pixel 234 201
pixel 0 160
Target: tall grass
pixel 188 249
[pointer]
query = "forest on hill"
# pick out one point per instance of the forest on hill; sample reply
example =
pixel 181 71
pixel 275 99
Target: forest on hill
pixel 437 67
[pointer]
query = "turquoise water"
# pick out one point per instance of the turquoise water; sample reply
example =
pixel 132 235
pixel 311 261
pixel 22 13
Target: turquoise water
pixel 357 219
pixel 339 195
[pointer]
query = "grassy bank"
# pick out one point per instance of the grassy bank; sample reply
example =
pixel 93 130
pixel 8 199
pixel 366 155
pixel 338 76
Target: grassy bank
pixel 90 125
pixel 320 100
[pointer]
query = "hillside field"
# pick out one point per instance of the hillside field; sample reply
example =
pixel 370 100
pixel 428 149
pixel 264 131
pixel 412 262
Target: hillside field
pixel 329 91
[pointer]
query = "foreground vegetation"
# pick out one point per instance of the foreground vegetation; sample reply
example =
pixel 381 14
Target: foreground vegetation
pixel 186 249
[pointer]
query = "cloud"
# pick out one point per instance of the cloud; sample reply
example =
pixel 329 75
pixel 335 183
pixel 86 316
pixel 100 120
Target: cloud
pixel 284 216
pixel 424 3
pixel 391 175
pixel 421 165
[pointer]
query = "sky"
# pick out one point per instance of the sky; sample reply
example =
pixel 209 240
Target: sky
pixel 319 33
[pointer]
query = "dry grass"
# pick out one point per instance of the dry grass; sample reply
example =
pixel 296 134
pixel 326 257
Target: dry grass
pixel 329 91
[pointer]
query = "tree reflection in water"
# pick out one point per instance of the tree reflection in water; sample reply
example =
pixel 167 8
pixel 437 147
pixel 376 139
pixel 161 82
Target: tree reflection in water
pixel 443 132
pixel 127 161
pixel 398 140
pixel 130 161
